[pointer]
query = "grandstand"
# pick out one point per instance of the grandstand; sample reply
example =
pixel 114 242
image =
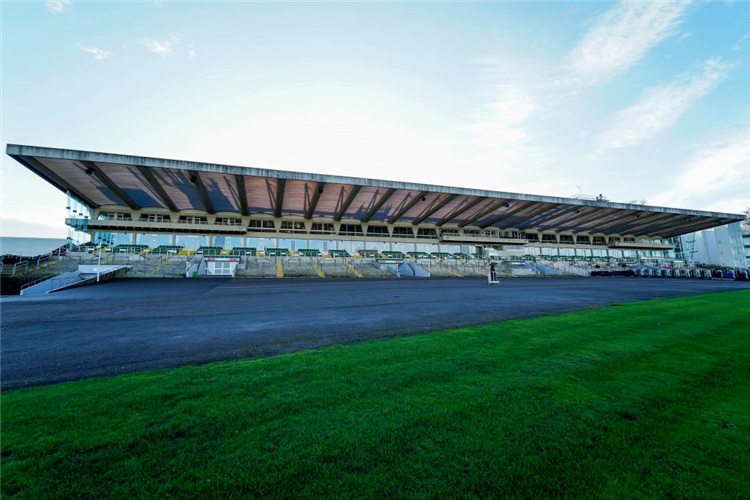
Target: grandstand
pixel 163 214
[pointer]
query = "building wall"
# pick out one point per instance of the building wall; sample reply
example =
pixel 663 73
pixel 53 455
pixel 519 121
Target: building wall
pixel 721 246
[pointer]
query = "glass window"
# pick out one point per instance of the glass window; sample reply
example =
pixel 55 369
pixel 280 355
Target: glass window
pixel 292 227
pixel 378 231
pixel 152 240
pixel 351 229
pixel 192 219
pixel 322 228
pixel 155 218
pixel 427 247
pixel 402 232
pixel 429 233
pixel 219 241
pixel 122 238
pixel 232 242
pixel 264 226
pixel 380 246
pixel 404 247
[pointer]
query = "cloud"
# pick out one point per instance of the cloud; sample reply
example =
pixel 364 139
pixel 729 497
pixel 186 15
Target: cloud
pixel 162 48
pixel 58 6
pixel 716 176
pixel 540 91
pixel 170 46
pixel 660 107
pixel 620 38
pixel 737 46
pixel 97 53
pixel 684 36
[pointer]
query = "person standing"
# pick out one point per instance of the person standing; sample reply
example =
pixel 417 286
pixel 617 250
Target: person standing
pixel 493 271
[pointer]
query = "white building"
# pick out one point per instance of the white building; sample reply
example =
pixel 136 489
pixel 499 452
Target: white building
pixel 720 246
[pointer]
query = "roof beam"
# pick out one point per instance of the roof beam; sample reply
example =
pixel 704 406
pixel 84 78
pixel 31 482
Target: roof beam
pixel 434 209
pixel 607 218
pixel 483 213
pixel 379 204
pixel 531 214
pixel 196 179
pixel 670 226
pixel 407 207
pixel 349 199
pixel 698 226
pixel 157 187
pixel 555 215
pixel 48 175
pixel 652 221
pixel 618 222
pixel 280 188
pixel 242 193
pixel 582 219
pixel 625 227
pixel 521 206
pixel 94 168
pixel 318 190
pixel 582 215
pixel 458 212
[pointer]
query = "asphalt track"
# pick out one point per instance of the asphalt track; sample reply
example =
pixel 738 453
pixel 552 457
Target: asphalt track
pixel 136 325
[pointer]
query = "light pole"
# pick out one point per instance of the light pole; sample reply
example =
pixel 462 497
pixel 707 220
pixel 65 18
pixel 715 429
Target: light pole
pixel 99 263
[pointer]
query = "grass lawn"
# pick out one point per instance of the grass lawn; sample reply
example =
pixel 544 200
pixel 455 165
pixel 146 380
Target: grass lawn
pixel 644 400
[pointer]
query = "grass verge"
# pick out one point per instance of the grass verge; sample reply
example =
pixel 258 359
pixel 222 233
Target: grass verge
pixel 644 400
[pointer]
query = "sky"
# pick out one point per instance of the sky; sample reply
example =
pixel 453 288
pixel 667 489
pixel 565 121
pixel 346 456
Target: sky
pixel 633 100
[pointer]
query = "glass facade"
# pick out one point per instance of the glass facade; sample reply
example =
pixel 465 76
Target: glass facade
pixel 404 247
pixel 427 247
pixel 191 242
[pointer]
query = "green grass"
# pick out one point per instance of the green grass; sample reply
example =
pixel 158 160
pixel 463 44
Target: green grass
pixel 644 400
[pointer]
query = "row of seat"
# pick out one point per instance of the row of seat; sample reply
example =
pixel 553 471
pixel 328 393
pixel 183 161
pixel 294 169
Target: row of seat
pixel 129 248
pixel 167 249
pixel 243 251
pixel 209 250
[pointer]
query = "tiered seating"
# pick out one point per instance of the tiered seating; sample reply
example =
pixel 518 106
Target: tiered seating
pixel 478 256
pixel 276 252
pixel 420 255
pixel 394 254
pixel 443 255
pixel 462 256
pixel 209 250
pixel 309 252
pixel 129 248
pixel 369 254
pixel 242 251
pixel 339 253
pixel 167 249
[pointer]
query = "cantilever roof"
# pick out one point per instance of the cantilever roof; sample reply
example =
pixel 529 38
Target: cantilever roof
pixel 113 181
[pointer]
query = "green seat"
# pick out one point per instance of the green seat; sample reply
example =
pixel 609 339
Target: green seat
pixel 242 251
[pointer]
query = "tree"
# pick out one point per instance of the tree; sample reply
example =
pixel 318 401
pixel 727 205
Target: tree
pixel 746 223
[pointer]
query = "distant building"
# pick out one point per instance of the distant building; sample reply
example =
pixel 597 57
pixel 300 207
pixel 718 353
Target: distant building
pixel 720 246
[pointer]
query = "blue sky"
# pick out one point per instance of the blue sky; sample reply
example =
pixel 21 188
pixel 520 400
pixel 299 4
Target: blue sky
pixel 633 100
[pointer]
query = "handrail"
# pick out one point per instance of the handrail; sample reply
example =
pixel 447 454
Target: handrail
pixel 37 281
